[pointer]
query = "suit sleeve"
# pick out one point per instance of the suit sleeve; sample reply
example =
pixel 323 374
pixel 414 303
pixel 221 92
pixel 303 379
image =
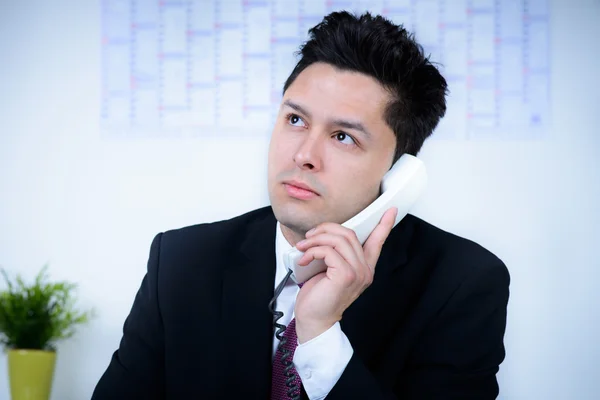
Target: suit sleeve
pixel 457 357
pixel 136 369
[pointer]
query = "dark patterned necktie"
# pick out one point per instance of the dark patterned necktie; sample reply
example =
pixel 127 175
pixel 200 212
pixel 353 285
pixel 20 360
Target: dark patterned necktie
pixel 286 383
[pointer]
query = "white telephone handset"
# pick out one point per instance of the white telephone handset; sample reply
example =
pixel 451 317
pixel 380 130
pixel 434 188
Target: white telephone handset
pixel 401 187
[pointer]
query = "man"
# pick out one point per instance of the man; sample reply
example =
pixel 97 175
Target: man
pixel 414 313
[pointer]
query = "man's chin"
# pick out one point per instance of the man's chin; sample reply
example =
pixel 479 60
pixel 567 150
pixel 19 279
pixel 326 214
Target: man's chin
pixel 295 217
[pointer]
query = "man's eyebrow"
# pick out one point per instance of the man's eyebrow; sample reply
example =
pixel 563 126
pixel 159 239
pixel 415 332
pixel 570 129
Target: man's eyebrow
pixel 352 125
pixel 297 107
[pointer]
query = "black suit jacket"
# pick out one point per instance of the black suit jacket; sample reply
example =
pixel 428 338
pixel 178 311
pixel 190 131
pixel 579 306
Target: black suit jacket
pixel 430 326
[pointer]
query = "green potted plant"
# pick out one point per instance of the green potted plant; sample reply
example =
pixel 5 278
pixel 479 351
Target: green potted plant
pixel 33 318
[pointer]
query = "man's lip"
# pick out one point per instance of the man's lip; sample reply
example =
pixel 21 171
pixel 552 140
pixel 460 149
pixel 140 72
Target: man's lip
pixel 301 186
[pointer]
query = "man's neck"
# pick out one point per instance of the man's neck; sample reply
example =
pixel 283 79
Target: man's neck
pixel 292 236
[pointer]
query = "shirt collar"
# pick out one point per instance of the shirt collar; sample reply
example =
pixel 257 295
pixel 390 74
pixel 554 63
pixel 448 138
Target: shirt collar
pixel 281 246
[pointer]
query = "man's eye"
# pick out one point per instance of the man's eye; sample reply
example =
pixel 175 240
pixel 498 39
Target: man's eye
pixel 344 138
pixel 294 120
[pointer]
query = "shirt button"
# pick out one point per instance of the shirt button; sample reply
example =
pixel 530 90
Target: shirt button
pixel 308 374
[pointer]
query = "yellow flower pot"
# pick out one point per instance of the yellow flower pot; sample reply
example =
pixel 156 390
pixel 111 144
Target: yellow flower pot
pixel 30 374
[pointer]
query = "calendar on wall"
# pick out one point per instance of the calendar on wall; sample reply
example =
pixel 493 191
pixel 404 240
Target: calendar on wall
pixel 217 68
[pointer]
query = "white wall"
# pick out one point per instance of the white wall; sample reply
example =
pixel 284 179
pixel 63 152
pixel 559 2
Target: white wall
pixel 90 206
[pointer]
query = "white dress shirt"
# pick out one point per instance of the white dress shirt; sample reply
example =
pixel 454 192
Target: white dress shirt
pixel 321 361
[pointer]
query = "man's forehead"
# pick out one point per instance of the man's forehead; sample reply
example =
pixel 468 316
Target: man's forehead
pixel 337 90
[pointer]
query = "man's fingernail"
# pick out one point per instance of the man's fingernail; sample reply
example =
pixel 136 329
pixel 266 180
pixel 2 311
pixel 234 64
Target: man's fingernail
pixel 300 243
pixel 311 231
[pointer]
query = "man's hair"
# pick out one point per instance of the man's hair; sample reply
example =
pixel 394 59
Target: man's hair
pixel 387 52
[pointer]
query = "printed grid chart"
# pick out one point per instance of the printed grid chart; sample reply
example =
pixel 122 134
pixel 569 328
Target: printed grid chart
pixel 214 67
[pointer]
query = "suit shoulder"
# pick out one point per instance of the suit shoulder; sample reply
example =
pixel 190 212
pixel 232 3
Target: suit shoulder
pixel 462 256
pixel 212 235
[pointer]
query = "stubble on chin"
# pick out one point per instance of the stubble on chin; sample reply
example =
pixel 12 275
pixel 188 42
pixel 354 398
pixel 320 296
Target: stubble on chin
pixel 295 220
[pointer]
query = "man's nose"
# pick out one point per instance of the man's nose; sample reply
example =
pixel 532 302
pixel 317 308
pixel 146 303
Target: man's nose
pixel 308 155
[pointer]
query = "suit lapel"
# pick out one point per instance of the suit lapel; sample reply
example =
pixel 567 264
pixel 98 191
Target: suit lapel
pixel 374 308
pixel 248 331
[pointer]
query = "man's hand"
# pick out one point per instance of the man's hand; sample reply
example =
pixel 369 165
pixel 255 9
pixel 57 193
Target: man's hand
pixel 350 270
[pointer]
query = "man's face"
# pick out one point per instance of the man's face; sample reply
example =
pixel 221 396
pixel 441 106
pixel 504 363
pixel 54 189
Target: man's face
pixel 330 136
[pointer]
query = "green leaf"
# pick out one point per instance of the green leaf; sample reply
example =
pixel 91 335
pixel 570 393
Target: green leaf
pixel 39 315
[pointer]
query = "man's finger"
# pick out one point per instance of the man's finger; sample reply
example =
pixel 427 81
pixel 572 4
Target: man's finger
pixel 374 243
pixel 340 243
pixel 337 229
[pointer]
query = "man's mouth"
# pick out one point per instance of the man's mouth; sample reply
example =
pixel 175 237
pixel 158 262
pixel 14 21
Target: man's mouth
pixel 299 190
